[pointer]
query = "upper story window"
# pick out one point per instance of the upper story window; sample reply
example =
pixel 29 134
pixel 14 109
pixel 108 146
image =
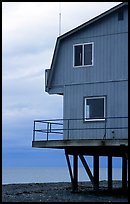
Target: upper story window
pixel 94 109
pixel 83 54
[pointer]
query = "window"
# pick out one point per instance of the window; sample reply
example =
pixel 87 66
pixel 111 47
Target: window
pixel 83 54
pixel 94 109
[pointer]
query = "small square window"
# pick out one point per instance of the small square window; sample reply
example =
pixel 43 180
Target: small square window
pixel 94 108
pixel 83 55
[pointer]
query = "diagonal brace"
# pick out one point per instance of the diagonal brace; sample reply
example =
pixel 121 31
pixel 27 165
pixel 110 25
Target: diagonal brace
pixel 86 168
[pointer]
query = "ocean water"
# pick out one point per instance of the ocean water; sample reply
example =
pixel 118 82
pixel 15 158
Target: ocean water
pixel 50 174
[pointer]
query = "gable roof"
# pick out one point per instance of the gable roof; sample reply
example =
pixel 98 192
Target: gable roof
pixel 73 31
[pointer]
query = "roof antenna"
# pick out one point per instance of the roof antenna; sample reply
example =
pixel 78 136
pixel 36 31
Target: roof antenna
pixel 59 18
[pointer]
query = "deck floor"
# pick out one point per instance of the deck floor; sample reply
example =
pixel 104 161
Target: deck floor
pixel 79 143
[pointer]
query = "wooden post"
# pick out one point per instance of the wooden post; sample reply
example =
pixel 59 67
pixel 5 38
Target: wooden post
pixel 124 173
pixel 69 167
pixel 87 168
pixel 75 173
pixel 96 172
pixel 109 172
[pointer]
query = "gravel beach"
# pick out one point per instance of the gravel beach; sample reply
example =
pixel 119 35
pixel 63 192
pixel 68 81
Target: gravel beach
pixel 62 192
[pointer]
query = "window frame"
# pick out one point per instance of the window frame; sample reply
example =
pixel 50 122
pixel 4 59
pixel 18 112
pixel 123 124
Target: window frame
pixel 94 119
pixel 83 44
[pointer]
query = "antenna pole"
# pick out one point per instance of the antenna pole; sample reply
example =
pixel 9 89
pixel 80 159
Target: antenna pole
pixel 59 18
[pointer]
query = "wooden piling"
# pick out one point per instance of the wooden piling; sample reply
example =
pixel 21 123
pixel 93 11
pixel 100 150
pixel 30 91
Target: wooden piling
pixel 81 152
pixel 109 172
pixel 96 172
pixel 124 172
pixel 75 172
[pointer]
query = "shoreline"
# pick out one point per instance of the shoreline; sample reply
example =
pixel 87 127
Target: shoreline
pixel 62 192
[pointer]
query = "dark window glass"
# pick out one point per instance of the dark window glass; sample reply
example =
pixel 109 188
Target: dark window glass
pixel 78 55
pixel 96 108
pixel 88 54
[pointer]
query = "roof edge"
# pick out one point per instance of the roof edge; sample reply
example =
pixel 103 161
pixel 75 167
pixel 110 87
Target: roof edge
pixel 98 17
pixel 72 31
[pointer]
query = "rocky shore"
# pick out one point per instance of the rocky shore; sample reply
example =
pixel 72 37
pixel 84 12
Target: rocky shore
pixel 62 192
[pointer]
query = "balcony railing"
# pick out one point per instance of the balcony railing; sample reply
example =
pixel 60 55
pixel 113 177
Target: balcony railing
pixel 54 129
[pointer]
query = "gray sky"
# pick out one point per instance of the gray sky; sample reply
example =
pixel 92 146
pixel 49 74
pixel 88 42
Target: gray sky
pixel 29 33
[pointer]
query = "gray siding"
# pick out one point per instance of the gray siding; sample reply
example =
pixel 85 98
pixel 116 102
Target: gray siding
pixel 116 106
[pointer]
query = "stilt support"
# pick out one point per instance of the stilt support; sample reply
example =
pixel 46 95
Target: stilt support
pixel 124 172
pixel 69 167
pixel 75 172
pixel 109 172
pixel 96 172
pixel 87 168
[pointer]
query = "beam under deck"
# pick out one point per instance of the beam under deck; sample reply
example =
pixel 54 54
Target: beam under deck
pixel 78 143
pixel 87 146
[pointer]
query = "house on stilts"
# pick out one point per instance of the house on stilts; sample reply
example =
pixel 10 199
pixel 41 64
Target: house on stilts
pixel 90 70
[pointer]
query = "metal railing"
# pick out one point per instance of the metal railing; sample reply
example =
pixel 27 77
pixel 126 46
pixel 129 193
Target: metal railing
pixel 67 126
pixel 48 127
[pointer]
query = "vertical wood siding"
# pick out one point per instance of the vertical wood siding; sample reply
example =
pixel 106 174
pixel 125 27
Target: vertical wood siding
pixel 116 106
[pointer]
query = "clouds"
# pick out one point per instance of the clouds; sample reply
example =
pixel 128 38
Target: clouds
pixel 27 28
pixel 30 27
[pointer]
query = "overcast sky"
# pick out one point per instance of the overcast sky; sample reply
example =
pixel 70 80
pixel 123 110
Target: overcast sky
pixel 29 33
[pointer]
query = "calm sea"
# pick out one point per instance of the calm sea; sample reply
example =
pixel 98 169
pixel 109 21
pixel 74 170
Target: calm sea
pixel 49 174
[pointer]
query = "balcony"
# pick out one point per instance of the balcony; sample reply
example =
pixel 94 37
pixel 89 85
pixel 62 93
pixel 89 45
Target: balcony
pixel 59 133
